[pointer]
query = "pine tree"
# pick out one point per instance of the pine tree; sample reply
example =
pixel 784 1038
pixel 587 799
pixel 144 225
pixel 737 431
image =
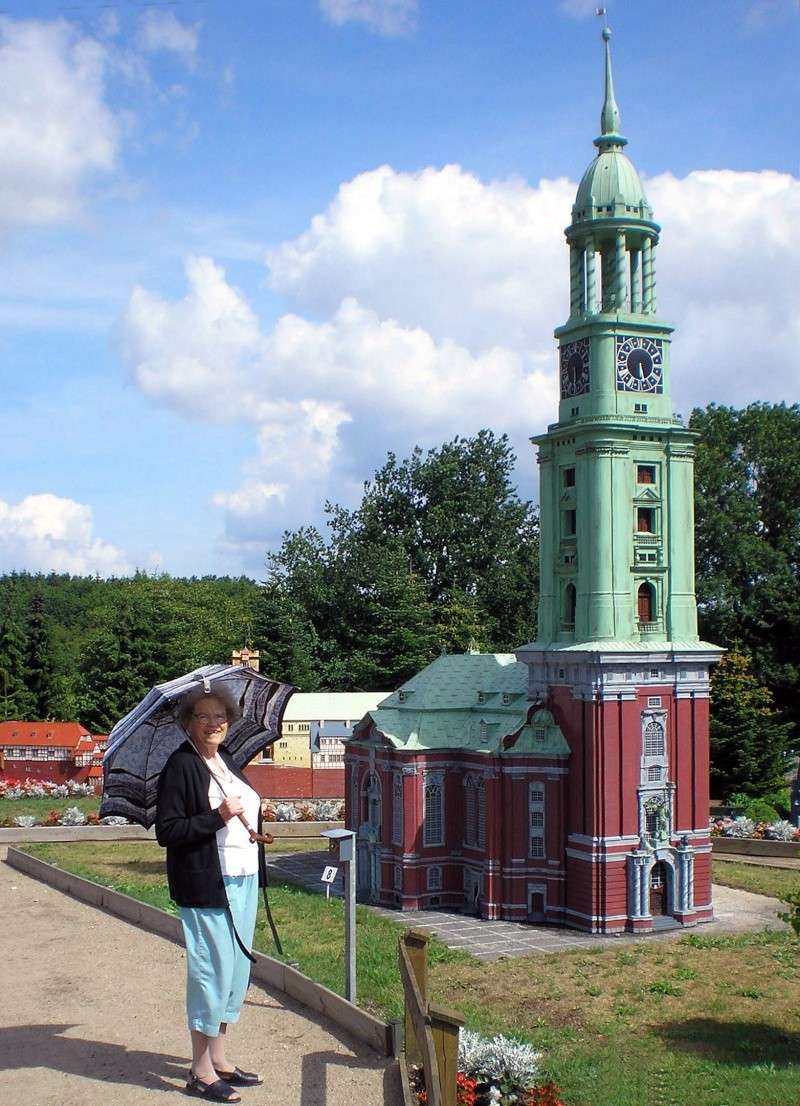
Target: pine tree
pixel 286 639
pixel 15 700
pixel 748 738
pixel 39 675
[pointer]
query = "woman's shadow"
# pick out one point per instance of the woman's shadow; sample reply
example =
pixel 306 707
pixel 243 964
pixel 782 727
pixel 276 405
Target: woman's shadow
pixel 37 1046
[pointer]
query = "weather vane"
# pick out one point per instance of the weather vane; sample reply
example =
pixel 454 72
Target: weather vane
pixel 602 12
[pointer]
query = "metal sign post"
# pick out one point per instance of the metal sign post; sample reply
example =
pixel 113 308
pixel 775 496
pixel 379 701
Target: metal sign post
pixel 342 845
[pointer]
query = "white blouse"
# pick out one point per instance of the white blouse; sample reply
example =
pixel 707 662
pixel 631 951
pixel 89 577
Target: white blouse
pixel 238 855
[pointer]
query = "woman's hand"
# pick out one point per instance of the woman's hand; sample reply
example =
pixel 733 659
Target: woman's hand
pixel 230 807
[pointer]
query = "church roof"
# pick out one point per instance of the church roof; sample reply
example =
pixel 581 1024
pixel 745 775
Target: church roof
pixel 475 701
pixel 611 186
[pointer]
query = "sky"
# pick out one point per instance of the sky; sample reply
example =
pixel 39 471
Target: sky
pixel 247 247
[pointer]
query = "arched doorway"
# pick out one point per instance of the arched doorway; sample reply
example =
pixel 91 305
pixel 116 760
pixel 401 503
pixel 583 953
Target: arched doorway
pixel 658 889
pixel 645 601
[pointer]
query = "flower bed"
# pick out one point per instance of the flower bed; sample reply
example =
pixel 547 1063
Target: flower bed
pixel 309 810
pixel 743 827
pixel 44 789
pixel 495 1071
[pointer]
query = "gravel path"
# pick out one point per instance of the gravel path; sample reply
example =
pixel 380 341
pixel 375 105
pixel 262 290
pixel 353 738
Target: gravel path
pixel 92 1013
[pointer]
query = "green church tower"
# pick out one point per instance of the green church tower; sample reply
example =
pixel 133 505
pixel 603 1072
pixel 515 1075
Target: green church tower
pixel 616 470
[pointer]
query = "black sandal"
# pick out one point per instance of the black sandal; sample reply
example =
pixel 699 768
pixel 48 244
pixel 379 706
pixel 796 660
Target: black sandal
pixel 218 1091
pixel 239 1078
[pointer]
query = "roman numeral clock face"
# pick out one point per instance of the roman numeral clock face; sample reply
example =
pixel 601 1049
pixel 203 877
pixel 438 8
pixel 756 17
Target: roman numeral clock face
pixel 574 364
pixel 640 364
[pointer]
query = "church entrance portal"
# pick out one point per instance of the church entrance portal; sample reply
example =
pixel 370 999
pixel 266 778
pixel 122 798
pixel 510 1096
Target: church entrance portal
pixel 658 889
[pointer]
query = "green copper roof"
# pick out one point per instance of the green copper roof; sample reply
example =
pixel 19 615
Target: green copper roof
pixel 475 701
pixel 611 188
pixel 609 116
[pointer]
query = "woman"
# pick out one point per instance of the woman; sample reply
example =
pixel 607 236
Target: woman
pixel 213 874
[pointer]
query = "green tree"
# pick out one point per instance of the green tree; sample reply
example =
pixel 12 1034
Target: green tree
pixel 39 675
pixel 748 538
pixel 15 700
pixel 286 639
pixel 466 533
pixel 748 740
pixel 122 662
pixel 396 629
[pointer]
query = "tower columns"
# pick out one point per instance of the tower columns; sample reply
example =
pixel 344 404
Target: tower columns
pixel 620 290
pixel 591 279
pixel 649 276
pixel 636 281
pixel 575 279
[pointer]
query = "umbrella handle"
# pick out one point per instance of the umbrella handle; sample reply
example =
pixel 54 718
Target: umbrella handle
pixel 262 838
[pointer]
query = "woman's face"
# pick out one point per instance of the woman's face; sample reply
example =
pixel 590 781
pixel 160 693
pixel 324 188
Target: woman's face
pixel 208 724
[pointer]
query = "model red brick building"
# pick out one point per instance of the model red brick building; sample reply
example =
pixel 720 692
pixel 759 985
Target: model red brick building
pixel 54 751
pixel 568 783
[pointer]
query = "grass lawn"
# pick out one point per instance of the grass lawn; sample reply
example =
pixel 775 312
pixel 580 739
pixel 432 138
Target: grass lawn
pixel 40 808
pixel 777 882
pixel 696 1021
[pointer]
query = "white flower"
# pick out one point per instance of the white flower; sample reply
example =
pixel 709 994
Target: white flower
pixel 73 816
pixel 740 827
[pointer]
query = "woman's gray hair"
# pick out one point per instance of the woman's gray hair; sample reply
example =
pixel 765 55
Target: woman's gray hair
pixel 190 701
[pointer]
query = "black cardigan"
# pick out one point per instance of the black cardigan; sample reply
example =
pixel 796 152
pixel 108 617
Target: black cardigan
pixel 187 827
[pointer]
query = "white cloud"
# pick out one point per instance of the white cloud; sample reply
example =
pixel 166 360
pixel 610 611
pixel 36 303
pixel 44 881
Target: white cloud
pixel 386 17
pixel 163 31
pixel 728 274
pixel 193 354
pixel 56 129
pixel 423 306
pixel 440 249
pixel 48 533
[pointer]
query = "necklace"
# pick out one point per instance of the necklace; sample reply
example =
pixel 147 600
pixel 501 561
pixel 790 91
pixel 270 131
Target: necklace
pixel 222 774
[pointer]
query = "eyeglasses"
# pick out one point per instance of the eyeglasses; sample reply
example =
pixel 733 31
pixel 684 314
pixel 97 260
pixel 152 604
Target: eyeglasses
pixel 221 717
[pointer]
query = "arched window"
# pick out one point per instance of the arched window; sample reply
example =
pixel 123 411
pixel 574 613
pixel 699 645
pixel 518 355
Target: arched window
pixel 569 605
pixel 397 809
pixel 654 739
pixel 371 802
pixel 433 812
pixel 646 603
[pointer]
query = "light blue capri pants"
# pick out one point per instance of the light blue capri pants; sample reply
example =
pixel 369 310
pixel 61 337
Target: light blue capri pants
pixel 217 971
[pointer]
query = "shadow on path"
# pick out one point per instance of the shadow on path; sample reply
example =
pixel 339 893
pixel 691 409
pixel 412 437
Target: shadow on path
pixel 45 1046
pixel 314 1077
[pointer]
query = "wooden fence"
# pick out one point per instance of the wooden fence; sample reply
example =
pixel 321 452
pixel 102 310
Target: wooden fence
pixel 431 1033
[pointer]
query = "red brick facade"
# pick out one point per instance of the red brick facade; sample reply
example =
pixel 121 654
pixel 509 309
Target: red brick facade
pixel 622 835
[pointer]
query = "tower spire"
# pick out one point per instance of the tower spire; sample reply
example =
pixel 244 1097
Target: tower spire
pixel 609 117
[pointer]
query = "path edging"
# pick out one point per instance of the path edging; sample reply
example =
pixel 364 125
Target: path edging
pixel 378 1034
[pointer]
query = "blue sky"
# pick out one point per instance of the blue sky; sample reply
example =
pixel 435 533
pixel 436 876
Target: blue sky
pixel 247 247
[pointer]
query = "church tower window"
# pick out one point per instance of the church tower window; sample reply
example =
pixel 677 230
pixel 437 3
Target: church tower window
pixel 645 603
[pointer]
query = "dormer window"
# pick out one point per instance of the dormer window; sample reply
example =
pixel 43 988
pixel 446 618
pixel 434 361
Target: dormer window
pixel 645 474
pixel 481 696
pixel 569 477
pixel 506 698
pixel 402 696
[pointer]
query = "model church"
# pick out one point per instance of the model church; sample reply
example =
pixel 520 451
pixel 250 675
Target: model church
pixel 568 783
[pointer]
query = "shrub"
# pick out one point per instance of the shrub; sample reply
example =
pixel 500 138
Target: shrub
pixel 740 827
pixel 780 831
pixel 24 821
pixel 73 816
pixel 761 811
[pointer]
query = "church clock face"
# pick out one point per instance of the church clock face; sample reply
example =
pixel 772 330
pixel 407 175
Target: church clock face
pixel 575 368
pixel 640 364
